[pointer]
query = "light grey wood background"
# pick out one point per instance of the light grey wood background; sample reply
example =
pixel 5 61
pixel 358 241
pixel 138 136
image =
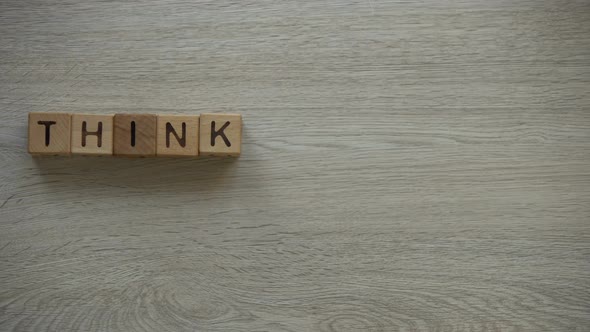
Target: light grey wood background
pixel 407 166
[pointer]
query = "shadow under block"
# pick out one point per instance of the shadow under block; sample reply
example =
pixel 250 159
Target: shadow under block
pixel 220 134
pixel 135 135
pixel 178 136
pixel 92 134
pixel 49 133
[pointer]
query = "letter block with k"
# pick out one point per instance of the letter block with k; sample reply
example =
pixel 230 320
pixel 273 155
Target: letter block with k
pixel 221 134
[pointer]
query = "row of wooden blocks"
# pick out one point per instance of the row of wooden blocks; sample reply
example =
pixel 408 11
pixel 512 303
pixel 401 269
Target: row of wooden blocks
pixel 135 135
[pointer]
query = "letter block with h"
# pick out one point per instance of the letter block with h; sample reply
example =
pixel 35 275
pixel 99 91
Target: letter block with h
pixel 92 134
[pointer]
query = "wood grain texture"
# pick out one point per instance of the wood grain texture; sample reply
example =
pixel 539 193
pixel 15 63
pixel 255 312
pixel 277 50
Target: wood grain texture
pixel 135 135
pixel 406 166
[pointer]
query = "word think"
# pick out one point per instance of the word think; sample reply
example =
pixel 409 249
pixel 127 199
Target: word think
pixel 135 135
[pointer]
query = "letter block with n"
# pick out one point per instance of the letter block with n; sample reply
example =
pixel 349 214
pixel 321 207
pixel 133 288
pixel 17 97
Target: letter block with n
pixel 221 134
pixel 178 136
pixel 49 133
pixel 92 134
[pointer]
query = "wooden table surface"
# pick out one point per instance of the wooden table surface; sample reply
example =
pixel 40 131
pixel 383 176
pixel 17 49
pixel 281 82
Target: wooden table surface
pixel 406 166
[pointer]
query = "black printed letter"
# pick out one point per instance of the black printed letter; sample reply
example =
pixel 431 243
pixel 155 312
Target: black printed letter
pixel 47 130
pixel 220 132
pixel 132 133
pixel 98 133
pixel 170 129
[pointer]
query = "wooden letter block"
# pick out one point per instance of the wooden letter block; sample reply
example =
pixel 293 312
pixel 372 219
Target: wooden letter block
pixel 178 136
pixel 135 135
pixel 92 134
pixel 49 133
pixel 221 134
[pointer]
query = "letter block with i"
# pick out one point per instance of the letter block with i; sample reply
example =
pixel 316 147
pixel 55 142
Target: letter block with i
pixel 178 136
pixel 92 134
pixel 221 134
pixel 49 133
pixel 135 135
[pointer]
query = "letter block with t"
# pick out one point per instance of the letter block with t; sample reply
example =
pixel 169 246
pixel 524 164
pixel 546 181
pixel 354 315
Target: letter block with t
pixel 221 134
pixel 49 133
pixel 135 135
pixel 92 134
pixel 178 136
